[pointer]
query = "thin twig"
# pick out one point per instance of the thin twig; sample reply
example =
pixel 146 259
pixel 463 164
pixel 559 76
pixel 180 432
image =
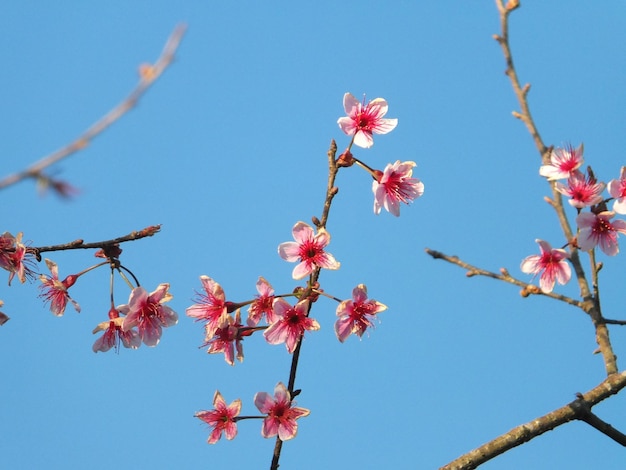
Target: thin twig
pixel 148 76
pixel 505 276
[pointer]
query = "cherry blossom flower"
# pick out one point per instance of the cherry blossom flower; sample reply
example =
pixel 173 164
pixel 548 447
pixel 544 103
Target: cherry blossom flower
pixel 210 307
pixel 617 190
pixel 363 119
pixel 147 313
pixel 263 305
pixel 308 249
pixel 14 257
pixel 55 291
pixel 583 191
pixel 396 185
pixel 356 314
pixel 281 414
pixel 563 162
pixel 552 265
pixel 223 418
pixel 113 334
pixel 291 323
pixel 225 338
pixel 597 229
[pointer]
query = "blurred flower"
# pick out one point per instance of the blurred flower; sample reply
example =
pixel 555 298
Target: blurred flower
pixel 147 313
pixel 308 249
pixel 291 323
pixel 14 257
pixel 363 119
pixel 55 291
pixel 113 333
pixel 222 418
pixel 356 315
pixel 617 190
pixel 597 229
pixel 225 338
pixel 281 414
pixel 263 305
pixel 3 317
pixel 563 162
pixel 396 185
pixel 552 265
pixel 583 191
pixel 210 307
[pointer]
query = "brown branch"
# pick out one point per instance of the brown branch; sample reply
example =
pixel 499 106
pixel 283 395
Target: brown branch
pixel 148 75
pixel 505 276
pixel 578 409
pixel 591 302
pixel 81 245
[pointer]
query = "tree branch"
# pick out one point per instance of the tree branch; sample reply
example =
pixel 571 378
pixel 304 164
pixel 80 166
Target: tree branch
pixel 148 75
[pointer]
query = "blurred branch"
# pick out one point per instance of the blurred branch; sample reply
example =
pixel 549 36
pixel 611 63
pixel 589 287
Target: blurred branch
pixel 579 409
pixel 527 289
pixel 148 75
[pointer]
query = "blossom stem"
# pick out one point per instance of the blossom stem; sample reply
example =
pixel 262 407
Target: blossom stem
pixel 366 168
pixel 327 295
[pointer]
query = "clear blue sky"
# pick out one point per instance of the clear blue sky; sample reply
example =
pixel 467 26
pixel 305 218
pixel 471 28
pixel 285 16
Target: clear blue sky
pixel 228 151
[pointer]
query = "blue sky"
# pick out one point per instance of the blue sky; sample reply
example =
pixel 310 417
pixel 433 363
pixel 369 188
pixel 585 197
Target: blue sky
pixel 228 151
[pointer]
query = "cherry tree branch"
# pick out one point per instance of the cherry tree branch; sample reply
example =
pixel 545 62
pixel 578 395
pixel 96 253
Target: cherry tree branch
pixel 81 245
pixel 527 289
pixel 579 409
pixel 521 92
pixel 148 75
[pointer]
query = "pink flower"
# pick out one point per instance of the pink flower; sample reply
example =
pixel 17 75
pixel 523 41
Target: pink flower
pixel 211 307
pixel 308 249
pixel 263 305
pixel 147 313
pixel 563 162
pixel 552 265
pixel 55 291
pixel 14 257
pixel 396 185
pixel 281 414
pixel 583 191
pixel 113 333
pixel 362 119
pixel 356 315
pixel 597 229
pixel 291 323
pixel 617 190
pixel 223 418
pixel 225 338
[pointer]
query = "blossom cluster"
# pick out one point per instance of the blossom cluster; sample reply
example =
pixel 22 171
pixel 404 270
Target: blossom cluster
pixel 595 224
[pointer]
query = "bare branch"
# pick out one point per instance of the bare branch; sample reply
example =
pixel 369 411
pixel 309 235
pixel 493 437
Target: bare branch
pixel 524 433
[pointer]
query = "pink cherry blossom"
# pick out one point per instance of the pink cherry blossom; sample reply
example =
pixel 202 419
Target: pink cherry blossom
pixel 308 249
pixel 263 305
pixel 396 185
pixel 597 229
pixel 583 191
pixel 223 418
pixel 291 323
pixel 363 119
pixel 147 313
pixel 356 314
pixel 14 257
pixel 281 414
pixel 563 162
pixel 552 265
pixel 55 291
pixel 113 334
pixel 617 190
pixel 226 338
pixel 210 307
